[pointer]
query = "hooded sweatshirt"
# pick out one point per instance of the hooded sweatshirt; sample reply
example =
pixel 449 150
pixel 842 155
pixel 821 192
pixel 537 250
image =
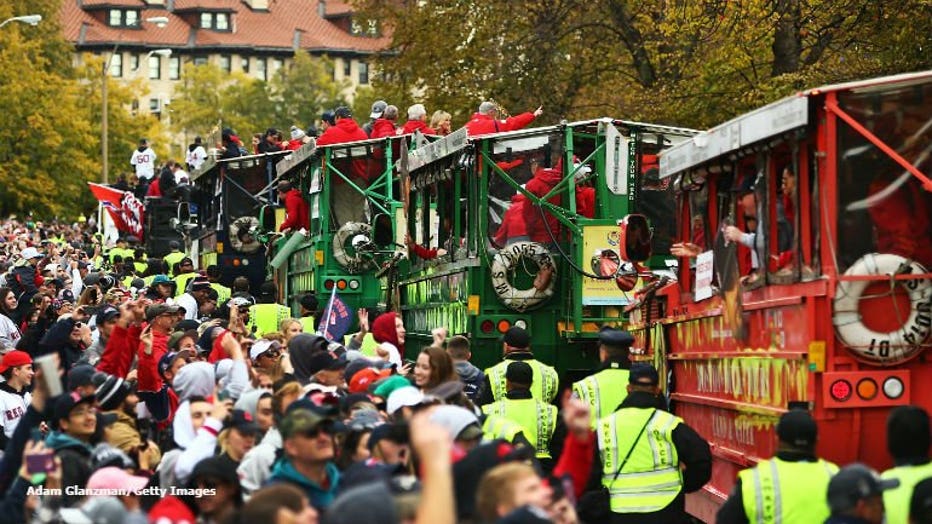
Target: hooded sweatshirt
pixel 384 332
pixel 177 464
pixel 472 378
pixel 256 466
pixel 320 497
pixel 301 348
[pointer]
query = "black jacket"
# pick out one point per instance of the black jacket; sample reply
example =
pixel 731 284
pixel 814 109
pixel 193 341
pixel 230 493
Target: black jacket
pixel 693 452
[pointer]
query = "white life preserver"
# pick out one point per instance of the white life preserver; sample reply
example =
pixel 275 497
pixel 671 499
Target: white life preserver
pixel 244 223
pixel 503 264
pixel 897 346
pixel 347 232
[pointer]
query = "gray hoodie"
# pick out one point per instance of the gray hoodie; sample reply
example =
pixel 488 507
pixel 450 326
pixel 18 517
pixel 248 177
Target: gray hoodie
pixel 472 378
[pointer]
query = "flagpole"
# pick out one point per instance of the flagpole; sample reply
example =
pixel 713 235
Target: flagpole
pixel 326 318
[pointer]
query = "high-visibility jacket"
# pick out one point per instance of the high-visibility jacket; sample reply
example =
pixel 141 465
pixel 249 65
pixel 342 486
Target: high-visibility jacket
pixel 603 391
pixel 498 427
pixel 223 293
pixel 265 318
pixel 181 282
pixel 307 324
pixel 896 500
pixel 543 386
pixel 651 479
pixel 537 419
pixel 173 258
pixel 777 490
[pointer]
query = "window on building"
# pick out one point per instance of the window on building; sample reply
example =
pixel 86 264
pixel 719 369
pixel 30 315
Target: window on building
pixel 355 28
pixel 155 67
pixel 277 65
pixel 154 105
pixel 347 65
pixel 363 73
pixel 372 27
pixel 174 68
pixel 123 18
pixel 133 62
pixel 216 21
pixel 245 64
pixel 200 60
pixel 226 63
pixel 261 69
pixel 116 65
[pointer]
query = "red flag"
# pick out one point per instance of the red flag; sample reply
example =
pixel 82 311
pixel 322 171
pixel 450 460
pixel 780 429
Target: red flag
pixel 125 209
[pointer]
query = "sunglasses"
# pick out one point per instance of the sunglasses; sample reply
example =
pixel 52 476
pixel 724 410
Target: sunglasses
pixel 272 353
pixel 316 431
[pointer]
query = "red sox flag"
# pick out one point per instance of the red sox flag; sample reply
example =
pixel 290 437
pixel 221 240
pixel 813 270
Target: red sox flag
pixel 125 209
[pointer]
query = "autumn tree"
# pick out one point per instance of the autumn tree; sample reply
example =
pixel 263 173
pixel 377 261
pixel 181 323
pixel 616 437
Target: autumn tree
pixel 305 89
pixel 692 63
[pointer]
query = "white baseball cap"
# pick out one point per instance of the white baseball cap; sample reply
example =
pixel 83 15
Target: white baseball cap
pixel 401 397
pixel 30 252
pixel 261 346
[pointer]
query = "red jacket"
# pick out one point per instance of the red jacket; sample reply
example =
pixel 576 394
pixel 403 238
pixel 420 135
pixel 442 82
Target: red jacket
pixel 155 189
pixel 481 124
pixel 297 212
pixel 544 180
pixel 346 130
pixel 382 128
pixel 148 375
pixel 417 125
pixel 294 145
pixel 513 222
pixel 121 348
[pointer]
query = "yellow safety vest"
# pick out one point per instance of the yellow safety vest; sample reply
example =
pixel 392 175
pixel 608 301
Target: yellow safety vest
pixel 307 323
pixel 148 280
pixel 265 318
pixel 603 391
pixel 651 479
pixel 543 386
pixel 223 293
pixel 173 258
pixel 896 500
pixel 181 282
pixel 537 419
pixel 777 491
pixel 497 427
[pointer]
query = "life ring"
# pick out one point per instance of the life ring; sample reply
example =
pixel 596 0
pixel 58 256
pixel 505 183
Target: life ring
pixel 504 263
pixel 240 226
pixel 348 232
pixel 884 349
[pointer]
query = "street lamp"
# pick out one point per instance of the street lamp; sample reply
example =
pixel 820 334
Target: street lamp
pixel 32 20
pixel 159 21
pixel 164 53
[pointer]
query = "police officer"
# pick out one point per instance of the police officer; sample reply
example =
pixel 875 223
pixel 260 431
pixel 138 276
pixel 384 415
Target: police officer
pixel 223 292
pixel 185 273
pixel 309 306
pixel 606 389
pixel 646 458
pixel 908 444
pixel 920 504
pixel 267 315
pixel 536 418
pixel 516 344
pixel 855 496
pixel 789 488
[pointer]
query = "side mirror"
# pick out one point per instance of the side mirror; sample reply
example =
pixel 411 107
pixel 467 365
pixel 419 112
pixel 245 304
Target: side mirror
pixel 635 238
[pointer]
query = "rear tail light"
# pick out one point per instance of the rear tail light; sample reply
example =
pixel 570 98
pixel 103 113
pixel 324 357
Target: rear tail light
pixel 487 326
pixel 841 390
pixel 503 326
pixel 341 284
pixel 354 284
pixel 867 388
pixel 328 284
pixel 893 388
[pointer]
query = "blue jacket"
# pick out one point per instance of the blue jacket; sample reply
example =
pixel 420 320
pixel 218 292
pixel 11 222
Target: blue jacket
pixel 321 498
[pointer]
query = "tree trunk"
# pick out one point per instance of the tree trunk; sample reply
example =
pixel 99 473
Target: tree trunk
pixel 787 42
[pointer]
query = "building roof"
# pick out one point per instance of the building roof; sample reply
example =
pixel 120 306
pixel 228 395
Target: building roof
pixel 273 29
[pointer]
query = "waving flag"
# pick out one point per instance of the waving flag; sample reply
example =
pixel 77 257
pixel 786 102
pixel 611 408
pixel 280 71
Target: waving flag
pixel 125 209
pixel 336 319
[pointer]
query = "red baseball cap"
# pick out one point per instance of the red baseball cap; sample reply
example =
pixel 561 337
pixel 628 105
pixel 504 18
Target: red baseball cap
pixel 362 379
pixel 14 359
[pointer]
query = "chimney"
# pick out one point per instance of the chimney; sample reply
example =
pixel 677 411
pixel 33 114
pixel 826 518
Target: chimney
pixel 296 39
pixel 322 8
